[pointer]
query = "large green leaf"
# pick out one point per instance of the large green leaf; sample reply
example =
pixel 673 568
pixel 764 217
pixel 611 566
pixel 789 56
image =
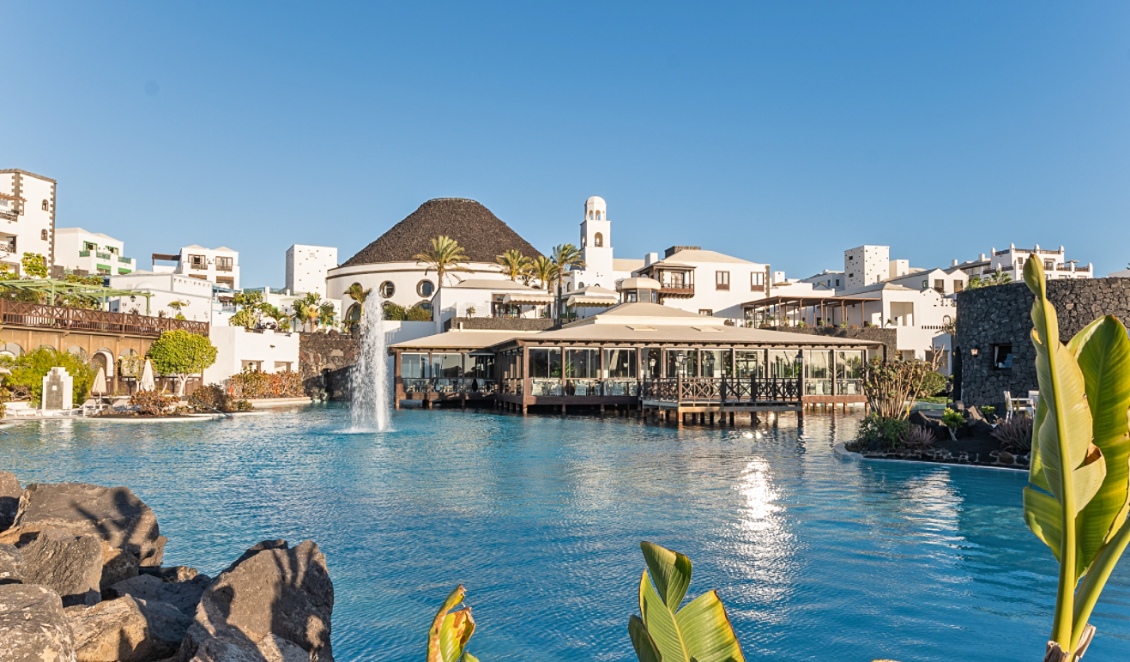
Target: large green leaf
pixel 671 572
pixel 641 641
pixel 707 631
pixel 1044 516
pixel 660 623
pixel 450 632
pixel 1103 353
pixel 699 632
pixel 1067 410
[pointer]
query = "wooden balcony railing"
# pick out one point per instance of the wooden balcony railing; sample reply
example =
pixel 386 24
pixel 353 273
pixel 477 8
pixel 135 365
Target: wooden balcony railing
pixel 37 316
pixel 724 390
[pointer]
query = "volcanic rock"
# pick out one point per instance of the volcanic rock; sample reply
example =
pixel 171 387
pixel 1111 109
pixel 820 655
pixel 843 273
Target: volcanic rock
pixel 274 603
pixel 10 492
pixel 68 564
pixel 33 627
pixel 112 513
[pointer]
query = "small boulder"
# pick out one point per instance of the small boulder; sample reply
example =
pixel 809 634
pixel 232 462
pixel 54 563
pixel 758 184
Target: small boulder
pixel 10 492
pixel 112 513
pixel 274 603
pixel 11 565
pixel 182 595
pixel 115 630
pixel 167 624
pixel 118 565
pixel 68 564
pixel 33 627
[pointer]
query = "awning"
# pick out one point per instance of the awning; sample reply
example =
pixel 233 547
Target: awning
pixel 584 300
pixel 528 298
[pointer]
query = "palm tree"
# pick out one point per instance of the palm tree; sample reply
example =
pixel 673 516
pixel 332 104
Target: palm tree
pixel 327 316
pixel 358 293
pixel 275 314
pixel 514 264
pixel 544 271
pixel 444 255
pixel 306 309
pixel 999 278
pixel 565 256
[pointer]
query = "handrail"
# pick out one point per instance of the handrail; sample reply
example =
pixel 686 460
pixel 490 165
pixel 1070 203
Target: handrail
pixel 725 390
pixel 34 315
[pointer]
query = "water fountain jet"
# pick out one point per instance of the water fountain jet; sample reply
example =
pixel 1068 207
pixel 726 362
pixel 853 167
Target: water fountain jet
pixel 368 380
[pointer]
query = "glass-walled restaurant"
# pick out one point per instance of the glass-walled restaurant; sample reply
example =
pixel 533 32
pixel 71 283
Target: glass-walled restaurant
pixel 618 371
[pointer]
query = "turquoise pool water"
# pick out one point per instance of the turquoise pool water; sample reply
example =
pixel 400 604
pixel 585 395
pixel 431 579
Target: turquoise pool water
pixel 815 558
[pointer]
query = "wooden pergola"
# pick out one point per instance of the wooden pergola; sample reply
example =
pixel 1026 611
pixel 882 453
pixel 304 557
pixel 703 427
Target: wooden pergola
pixel 826 306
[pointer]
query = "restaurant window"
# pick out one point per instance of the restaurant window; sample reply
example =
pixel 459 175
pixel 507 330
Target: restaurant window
pixel 414 366
pixel 849 372
pixel 447 365
pixel 749 364
pixel 480 366
pixel 387 289
pixel 621 363
pixel 715 363
pixel 631 296
pixel 652 362
pixel 721 280
pixel 1002 356
pixel 582 364
pixel 818 372
pixel 783 364
pixel 682 362
pixel 545 362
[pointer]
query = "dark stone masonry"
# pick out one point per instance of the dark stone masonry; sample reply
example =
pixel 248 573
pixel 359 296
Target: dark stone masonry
pixel 994 324
pixel 81 581
pixel 324 360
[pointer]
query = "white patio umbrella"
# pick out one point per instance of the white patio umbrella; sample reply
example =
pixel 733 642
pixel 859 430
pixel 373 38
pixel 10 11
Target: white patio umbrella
pixel 99 385
pixel 147 382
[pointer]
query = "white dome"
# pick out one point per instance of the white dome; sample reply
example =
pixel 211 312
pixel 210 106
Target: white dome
pixel 595 202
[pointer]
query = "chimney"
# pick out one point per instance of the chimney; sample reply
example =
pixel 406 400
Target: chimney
pixel 650 259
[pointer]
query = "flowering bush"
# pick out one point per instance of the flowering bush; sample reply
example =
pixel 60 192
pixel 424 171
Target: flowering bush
pixel 214 397
pixel 151 403
pixel 266 385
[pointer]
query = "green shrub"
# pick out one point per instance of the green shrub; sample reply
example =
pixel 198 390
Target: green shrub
pixel 881 433
pixel 213 398
pixel 418 314
pixel 934 383
pixel 1015 434
pixel 28 372
pixel 394 312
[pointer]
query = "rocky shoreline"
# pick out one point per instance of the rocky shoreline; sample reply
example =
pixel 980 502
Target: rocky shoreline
pixel 81 580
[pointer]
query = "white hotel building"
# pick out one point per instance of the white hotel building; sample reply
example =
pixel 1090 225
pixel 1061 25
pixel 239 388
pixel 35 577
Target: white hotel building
pixel 27 217
pixel 95 253
pixel 219 266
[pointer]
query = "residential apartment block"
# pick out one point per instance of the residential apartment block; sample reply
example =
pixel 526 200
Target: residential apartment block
pixel 307 266
pixel 80 250
pixel 219 266
pixel 27 217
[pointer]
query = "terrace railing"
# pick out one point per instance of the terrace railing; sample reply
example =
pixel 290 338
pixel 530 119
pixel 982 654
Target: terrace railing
pixel 38 316
pixel 724 390
pixel 452 386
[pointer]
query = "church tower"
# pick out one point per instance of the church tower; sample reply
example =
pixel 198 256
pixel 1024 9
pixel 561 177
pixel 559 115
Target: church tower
pixel 596 244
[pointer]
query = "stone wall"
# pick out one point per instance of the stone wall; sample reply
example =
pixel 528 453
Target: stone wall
pixel 324 360
pixel 993 316
pixel 889 337
pixel 498 324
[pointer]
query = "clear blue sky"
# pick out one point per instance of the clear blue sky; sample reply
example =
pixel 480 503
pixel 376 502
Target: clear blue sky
pixel 779 132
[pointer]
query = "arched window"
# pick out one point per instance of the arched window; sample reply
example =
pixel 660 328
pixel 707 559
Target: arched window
pixel 43 235
pixel 598 240
pixel 387 289
pixel 598 215
pixel 46 206
pixel 590 215
pixel 425 288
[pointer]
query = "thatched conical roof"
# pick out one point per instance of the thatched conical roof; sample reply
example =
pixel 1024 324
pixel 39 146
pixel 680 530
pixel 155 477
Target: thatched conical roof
pixel 482 235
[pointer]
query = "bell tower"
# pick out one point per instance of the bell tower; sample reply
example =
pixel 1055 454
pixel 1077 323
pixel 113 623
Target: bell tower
pixel 596 243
